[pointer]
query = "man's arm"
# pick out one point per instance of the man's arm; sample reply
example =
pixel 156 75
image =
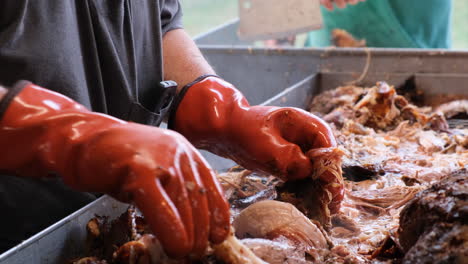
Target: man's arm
pixel 183 61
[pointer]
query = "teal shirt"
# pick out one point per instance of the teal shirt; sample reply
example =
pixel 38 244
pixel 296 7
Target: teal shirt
pixel 390 23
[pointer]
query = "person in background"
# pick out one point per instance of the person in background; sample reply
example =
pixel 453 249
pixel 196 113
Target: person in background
pixel 387 23
pixel 291 40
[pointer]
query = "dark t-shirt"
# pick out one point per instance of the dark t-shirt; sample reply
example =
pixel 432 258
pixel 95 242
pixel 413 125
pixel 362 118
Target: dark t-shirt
pixel 105 54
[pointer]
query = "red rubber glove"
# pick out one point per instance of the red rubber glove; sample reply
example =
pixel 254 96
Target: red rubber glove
pixel 215 116
pixel 43 132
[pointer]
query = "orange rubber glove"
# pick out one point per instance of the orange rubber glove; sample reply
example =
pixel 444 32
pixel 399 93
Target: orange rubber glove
pixel 43 133
pixel 215 116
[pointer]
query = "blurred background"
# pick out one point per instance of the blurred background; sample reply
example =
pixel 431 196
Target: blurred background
pixel 202 15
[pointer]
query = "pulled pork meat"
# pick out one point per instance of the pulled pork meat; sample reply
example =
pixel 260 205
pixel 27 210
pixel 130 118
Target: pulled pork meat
pixel 392 151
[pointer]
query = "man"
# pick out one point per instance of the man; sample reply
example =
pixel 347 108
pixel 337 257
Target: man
pixel 388 23
pixel 109 56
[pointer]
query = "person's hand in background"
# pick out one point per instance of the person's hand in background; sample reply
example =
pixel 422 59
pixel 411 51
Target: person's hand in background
pixel 43 134
pixel 328 4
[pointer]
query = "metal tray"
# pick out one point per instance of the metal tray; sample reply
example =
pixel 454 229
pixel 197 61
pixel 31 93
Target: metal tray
pixel 271 77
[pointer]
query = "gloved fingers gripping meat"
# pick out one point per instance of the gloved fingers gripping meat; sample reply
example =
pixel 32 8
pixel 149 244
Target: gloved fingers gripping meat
pixel 197 199
pixel 320 195
pixel 310 133
pixel 283 136
pixel 180 217
pixel 45 133
pixel 215 116
pixel 219 207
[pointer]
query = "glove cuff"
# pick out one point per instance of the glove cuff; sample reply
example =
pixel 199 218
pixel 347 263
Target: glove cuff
pixel 180 96
pixel 10 95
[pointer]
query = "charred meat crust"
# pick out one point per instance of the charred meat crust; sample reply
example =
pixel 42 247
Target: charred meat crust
pixel 445 202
